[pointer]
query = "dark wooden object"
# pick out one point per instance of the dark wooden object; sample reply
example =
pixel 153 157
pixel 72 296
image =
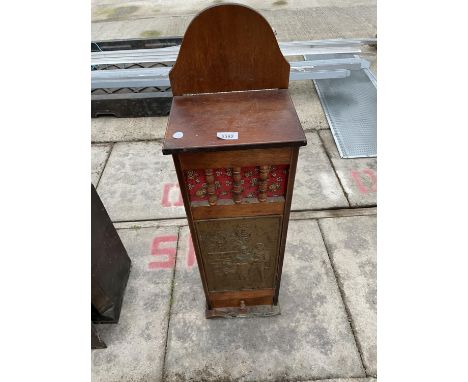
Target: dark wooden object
pixel 110 265
pixel 226 48
pixel 231 52
pixel 260 117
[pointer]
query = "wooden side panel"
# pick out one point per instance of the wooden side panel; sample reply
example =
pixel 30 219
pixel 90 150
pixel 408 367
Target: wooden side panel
pixel 286 213
pixel 228 47
pixel 193 232
pixel 236 158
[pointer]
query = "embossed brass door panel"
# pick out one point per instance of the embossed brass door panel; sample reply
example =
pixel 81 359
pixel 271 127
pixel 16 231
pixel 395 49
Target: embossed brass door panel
pixel 239 253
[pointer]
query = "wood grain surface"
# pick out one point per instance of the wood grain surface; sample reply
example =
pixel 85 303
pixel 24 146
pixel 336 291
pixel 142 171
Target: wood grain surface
pixel 237 210
pixel 226 48
pixel 262 119
pixel 235 158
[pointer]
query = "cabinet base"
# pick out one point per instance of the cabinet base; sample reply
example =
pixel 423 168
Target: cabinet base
pixel 248 311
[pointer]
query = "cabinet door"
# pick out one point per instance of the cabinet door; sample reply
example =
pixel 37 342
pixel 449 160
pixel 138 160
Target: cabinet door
pixel 240 253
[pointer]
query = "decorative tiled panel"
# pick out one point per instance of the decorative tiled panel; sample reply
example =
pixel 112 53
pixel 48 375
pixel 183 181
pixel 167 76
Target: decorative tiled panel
pixel 200 182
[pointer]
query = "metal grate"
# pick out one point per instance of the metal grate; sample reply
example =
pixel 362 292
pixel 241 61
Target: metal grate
pixel 350 105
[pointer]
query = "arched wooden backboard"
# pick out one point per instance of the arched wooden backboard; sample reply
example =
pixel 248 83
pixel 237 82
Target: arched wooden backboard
pixel 226 48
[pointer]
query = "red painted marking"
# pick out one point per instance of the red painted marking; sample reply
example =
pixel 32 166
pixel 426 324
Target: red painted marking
pixel 357 177
pixel 373 177
pixel 169 191
pixel 166 254
pixel 191 258
pixel 357 180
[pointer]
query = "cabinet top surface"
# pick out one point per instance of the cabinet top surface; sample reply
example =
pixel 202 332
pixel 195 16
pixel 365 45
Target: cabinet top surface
pixel 261 118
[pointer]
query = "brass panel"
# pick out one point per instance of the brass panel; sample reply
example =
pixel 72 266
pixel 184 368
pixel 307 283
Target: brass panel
pixel 239 253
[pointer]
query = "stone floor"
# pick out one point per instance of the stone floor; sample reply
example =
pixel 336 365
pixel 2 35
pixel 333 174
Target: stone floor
pixel 327 328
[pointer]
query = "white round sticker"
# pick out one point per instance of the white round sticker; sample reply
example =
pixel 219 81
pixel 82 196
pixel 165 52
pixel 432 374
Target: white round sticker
pixel 178 134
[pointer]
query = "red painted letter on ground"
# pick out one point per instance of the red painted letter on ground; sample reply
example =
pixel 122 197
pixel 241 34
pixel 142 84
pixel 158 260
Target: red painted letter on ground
pixel 366 174
pixel 171 195
pixel 165 255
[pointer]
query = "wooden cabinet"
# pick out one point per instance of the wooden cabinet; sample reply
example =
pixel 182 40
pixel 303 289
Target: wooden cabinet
pixel 234 136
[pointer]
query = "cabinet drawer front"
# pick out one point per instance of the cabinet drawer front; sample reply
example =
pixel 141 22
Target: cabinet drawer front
pixel 238 210
pixel 236 158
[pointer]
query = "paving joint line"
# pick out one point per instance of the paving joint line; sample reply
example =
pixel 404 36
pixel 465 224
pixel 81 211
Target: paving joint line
pixel 334 213
pixel 339 283
pixel 148 220
pixel 320 379
pixel 138 18
pixel 337 208
pixel 128 141
pixel 163 371
pixel 311 130
pixel 105 165
pixel 334 169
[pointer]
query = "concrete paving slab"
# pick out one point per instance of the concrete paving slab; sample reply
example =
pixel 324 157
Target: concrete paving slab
pixel 316 185
pixel 110 129
pixel 188 291
pixel 333 20
pixel 352 246
pixel 317 23
pixel 152 27
pixel 311 339
pixel 99 154
pixel 358 176
pixel 131 9
pixel 136 345
pixel 308 106
pixel 140 183
pixel 345 380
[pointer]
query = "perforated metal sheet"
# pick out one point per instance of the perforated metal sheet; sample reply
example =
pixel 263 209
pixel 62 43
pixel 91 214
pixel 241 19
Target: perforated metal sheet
pixel 350 105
